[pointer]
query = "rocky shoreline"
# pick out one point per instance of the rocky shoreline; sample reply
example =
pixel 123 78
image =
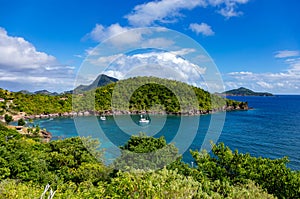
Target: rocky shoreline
pixel 126 112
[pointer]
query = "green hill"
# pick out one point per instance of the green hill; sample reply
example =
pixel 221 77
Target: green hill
pixel 134 94
pixel 154 95
pixel 245 92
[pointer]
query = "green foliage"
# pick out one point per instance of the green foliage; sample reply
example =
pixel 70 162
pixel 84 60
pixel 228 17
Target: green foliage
pixel 8 118
pixel 74 169
pixel 161 184
pixel 21 122
pixel 134 94
pixel 56 162
pixel 233 167
pixel 38 103
pixel 14 189
pixel 147 153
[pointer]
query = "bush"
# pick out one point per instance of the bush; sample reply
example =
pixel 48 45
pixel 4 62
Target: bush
pixel 21 122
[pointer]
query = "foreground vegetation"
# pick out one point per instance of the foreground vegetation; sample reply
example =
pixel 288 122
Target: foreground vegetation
pixel 27 165
pixel 134 94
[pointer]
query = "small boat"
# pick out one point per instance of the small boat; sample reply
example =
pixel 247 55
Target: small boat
pixel 102 117
pixel 144 120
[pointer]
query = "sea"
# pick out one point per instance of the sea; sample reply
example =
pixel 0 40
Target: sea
pixel 271 129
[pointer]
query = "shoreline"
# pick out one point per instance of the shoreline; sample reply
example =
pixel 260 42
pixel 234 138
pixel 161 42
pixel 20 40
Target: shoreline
pixel 123 112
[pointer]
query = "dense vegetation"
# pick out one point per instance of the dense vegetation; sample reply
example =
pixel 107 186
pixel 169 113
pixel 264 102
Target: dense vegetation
pixel 246 92
pixel 134 94
pixel 16 102
pixel 153 94
pixel 27 165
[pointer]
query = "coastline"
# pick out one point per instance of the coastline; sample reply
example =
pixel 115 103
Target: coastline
pixel 127 112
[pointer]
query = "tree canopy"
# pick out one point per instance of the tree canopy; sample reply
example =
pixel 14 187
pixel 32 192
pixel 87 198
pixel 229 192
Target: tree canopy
pixel 74 169
pixel 133 94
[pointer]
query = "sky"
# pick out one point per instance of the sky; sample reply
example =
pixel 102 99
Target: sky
pixel 253 43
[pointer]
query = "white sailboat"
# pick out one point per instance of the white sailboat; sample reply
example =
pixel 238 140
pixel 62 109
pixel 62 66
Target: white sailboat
pixel 144 120
pixel 102 117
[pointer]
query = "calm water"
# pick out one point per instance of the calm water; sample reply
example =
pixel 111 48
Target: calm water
pixel 271 129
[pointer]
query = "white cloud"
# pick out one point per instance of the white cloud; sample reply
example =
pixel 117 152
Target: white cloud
pixel 183 51
pixel 164 11
pixel 286 81
pixel 228 8
pixel 161 11
pixel 167 11
pixel 17 53
pixel 169 65
pixel 101 33
pixel 286 53
pixel 294 64
pixel 280 82
pixel 202 28
pixel 265 85
pixel 241 73
pixel 104 61
pixel 115 74
pixel 23 67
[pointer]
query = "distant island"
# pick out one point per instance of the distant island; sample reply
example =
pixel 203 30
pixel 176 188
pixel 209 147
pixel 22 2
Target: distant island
pixel 245 92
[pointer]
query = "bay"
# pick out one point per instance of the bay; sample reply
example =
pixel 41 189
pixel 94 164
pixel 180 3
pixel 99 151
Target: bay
pixel 271 129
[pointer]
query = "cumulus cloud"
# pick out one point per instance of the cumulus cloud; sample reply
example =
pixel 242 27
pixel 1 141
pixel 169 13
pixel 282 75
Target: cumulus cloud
pixel 161 12
pixel 168 11
pixel 17 53
pixel 202 28
pixel 23 66
pixel 101 33
pixel 119 36
pixel 164 11
pixel 286 53
pixel 169 65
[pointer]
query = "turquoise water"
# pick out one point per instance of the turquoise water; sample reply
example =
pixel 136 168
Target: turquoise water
pixel 271 129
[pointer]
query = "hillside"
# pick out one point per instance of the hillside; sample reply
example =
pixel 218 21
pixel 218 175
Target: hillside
pixel 245 92
pixel 152 96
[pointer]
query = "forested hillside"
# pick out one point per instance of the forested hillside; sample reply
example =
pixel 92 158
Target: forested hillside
pixel 154 94
pixel 134 94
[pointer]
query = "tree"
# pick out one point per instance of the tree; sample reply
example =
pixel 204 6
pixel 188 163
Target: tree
pixel 21 122
pixel 8 118
pixel 146 153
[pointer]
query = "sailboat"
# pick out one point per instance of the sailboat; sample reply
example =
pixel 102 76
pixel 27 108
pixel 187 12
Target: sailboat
pixel 144 120
pixel 102 117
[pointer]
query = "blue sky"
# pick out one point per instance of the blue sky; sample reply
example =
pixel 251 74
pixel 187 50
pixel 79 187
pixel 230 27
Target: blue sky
pixel 254 43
